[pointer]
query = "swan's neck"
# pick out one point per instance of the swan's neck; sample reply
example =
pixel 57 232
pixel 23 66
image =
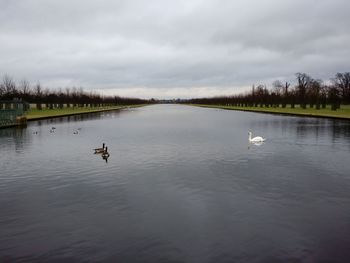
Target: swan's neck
pixel 250 136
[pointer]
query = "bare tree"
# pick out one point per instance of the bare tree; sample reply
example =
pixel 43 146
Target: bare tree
pixel 68 97
pixel 38 95
pixel 9 87
pixel 323 95
pixel 46 95
pixel 342 82
pixel 333 95
pixel 260 92
pixel 303 85
pixel 277 86
pixel 285 97
pixel 2 90
pixel 24 87
pixel 314 93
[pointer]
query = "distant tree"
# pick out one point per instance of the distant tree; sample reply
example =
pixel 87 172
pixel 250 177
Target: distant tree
pixel 302 87
pixel 323 96
pixel 253 97
pixel 285 97
pixel 9 87
pixel 333 94
pixel 278 86
pixel 24 89
pixel 60 98
pixel 259 94
pixel 38 95
pixel 278 93
pixel 2 90
pixel 46 95
pixel 342 82
pixel 68 98
pixel 314 93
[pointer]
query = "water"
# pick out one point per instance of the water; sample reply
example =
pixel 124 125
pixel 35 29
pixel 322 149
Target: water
pixel 182 184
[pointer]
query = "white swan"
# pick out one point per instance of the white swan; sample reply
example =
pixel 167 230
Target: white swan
pixel 255 139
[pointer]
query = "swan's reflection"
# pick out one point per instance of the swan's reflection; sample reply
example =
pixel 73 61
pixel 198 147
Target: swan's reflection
pixel 255 144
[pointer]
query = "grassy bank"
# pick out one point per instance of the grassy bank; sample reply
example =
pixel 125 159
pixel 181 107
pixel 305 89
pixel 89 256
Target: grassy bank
pixel 342 113
pixel 35 114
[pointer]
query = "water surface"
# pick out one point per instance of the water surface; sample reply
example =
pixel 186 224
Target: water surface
pixel 182 184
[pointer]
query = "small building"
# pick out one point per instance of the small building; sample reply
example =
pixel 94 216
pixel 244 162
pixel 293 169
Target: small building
pixel 12 112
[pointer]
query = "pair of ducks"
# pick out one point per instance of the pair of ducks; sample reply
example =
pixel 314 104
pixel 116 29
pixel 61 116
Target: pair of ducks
pixel 103 151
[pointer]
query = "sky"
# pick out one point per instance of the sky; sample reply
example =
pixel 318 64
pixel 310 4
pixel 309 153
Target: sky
pixel 172 49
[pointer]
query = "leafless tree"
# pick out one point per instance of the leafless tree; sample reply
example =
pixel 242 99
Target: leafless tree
pixel 342 82
pixel 2 90
pixel 303 85
pixel 277 86
pixel 38 91
pixel 24 87
pixel 68 97
pixel 314 93
pixel 9 87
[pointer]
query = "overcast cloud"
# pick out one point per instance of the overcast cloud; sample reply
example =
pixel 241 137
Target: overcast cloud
pixel 166 49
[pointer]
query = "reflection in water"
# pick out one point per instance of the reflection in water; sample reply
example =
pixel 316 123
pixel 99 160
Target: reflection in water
pixel 105 157
pixel 305 127
pixel 181 187
pixel 22 138
pixel 105 154
pixel 258 144
pixel 18 135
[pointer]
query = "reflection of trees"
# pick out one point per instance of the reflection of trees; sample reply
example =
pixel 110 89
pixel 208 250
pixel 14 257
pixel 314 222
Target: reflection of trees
pixel 77 118
pixel 19 135
pixel 302 127
pixel 341 130
pixel 336 129
pixel 310 127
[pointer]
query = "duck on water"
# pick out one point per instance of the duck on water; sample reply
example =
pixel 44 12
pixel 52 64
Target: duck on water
pixel 105 153
pixel 100 150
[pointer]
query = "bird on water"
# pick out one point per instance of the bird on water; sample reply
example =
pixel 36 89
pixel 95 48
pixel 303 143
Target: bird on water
pixel 100 150
pixel 105 153
pixel 255 139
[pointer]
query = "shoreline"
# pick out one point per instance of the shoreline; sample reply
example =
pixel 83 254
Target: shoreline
pixel 80 111
pixel 278 111
pixel 35 118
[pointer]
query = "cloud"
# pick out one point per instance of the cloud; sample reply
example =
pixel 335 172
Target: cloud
pixel 172 48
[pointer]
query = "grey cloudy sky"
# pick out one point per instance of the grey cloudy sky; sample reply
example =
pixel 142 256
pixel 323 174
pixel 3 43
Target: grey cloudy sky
pixel 166 49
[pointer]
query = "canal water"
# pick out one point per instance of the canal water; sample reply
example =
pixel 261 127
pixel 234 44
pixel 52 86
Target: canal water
pixel 182 184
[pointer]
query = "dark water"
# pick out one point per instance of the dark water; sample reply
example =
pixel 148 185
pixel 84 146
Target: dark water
pixel 182 184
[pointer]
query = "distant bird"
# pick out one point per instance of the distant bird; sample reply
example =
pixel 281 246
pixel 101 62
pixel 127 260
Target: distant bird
pixel 35 132
pixel 75 132
pixel 79 129
pixel 255 139
pixel 53 128
pixel 52 131
pixel 100 150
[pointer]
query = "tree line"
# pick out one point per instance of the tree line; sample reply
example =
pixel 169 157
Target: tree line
pixel 58 98
pixel 307 91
